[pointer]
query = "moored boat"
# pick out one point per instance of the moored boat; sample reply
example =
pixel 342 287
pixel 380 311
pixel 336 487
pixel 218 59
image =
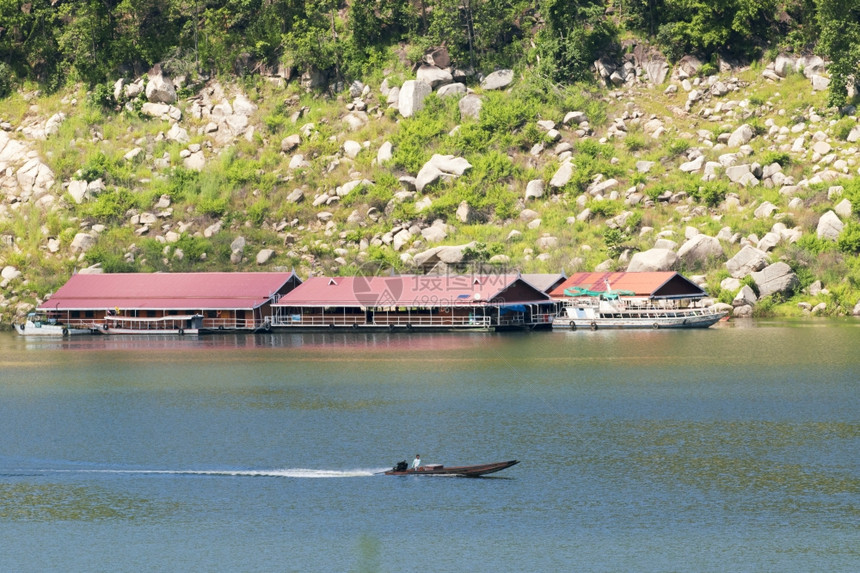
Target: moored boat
pixel 402 469
pixel 40 324
pixel 597 312
pixel 171 324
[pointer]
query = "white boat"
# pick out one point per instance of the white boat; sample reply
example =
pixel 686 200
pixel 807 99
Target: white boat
pixel 596 312
pixel 40 324
pixel 171 324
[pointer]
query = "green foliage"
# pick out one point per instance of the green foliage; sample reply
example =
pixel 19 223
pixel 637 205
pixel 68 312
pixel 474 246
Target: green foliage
pixel 842 128
pixel 109 206
pixel 849 238
pixel 614 240
pixel 813 244
pixel 575 35
pixel 781 157
pixel 101 96
pixel 839 22
pixel 711 193
pixel 412 141
pixel 6 80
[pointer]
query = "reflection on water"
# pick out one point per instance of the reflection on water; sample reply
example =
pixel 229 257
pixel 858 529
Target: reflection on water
pixel 732 448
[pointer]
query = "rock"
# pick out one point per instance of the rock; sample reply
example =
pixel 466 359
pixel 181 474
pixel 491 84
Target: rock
pixel 547 243
pixel 644 166
pixel 178 134
pixel 820 83
pixel 434 76
pixel 297 161
pixel 748 260
pixel 829 226
pixel 844 208
pixel 52 126
pixel 351 148
pixel 264 255
pixel 656 71
pixel 456 89
pixel 741 136
pixel 699 249
pixel 78 190
pixel 159 89
pixel 82 243
pixel 440 166
pixel 350 186
pixel 10 273
pixel 296 196
pixel 436 232
pixel 411 98
pixel 196 161
pixel 562 176
pixel 498 80
pixel 534 189
pixel 464 212
pixel 439 259
pixel 653 260
pixel 384 155
pixel 765 210
pixel 775 278
pixel 783 65
pixel 745 297
pixel 243 106
pixel 470 106
pixel 290 142
pixel 35 177
pixel 694 165
pixel 574 118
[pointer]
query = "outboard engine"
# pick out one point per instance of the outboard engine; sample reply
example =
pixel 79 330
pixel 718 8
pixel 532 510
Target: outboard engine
pixel 401 466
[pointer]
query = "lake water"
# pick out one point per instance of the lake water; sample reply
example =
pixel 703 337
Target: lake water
pixel 735 448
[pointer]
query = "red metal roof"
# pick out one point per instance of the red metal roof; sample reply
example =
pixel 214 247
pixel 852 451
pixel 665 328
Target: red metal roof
pixel 651 284
pixel 203 291
pixel 413 290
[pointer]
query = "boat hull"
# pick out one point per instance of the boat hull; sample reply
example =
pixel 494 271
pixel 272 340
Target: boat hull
pixel 455 471
pixel 657 322
pixel 50 330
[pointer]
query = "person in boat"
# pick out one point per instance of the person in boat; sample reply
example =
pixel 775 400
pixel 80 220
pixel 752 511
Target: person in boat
pixel 416 463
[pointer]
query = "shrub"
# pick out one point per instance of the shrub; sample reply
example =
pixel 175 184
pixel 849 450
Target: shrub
pixel 110 206
pixel 842 128
pixel 781 157
pixel 849 238
pixel 101 96
pixel 677 147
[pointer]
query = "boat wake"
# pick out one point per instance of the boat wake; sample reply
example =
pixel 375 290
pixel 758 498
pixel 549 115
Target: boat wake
pixel 296 473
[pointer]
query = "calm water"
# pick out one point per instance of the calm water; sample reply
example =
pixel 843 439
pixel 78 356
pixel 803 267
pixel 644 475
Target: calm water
pixel 731 449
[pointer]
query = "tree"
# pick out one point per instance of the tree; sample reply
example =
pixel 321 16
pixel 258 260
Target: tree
pixel 839 21
pixel 575 35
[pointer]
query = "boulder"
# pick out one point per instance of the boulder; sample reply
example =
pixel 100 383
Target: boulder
pixel 829 226
pixel 159 89
pixel 534 189
pixel 741 136
pixel 699 249
pixel 82 243
pixel 451 90
pixel 783 65
pixel 775 278
pixel 434 76
pixel 562 176
pixel 470 106
pixel 440 166
pixel 411 97
pixel 384 155
pixel 290 142
pixel 748 260
pixel 78 190
pixel 653 260
pixel 498 80
pixel 745 297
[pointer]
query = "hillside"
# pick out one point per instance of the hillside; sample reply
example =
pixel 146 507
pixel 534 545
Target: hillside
pixel 716 171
